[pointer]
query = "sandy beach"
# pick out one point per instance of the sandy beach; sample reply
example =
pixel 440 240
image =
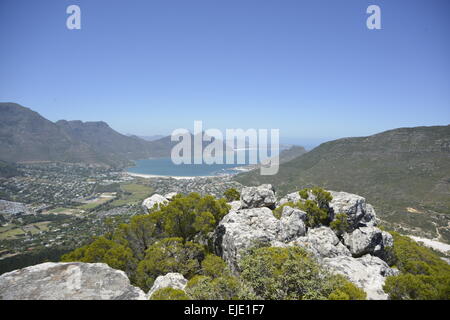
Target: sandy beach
pixel 148 176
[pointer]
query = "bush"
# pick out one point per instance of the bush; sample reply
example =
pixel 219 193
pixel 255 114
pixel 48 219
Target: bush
pixel 169 255
pixel 169 294
pixel 221 288
pixel 417 287
pixel 290 273
pixel 425 275
pixel 232 195
pixel 345 290
pixel 315 216
pixel 106 251
pixel 188 216
pixel 214 267
pixel 340 224
pixel 138 235
pixel 277 212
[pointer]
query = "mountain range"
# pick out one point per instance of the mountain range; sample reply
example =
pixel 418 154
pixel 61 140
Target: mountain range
pixel 404 173
pixel 26 136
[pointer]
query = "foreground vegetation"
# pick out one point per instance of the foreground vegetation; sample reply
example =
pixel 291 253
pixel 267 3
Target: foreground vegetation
pixel 178 238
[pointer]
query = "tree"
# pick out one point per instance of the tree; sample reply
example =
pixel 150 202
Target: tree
pixel 169 255
pixel 232 195
pixel 139 234
pixel 106 251
pixel 187 216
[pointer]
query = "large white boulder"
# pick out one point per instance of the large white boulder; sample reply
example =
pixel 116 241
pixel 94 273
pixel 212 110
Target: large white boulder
pixel 245 228
pixel 367 272
pixel 359 213
pixel 368 240
pixel 323 243
pixel 258 197
pixel 156 199
pixel 242 229
pixel 291 197
pixel 169 196
pixel 68 281
pixel 235 205
pixel 170 280
pixel 292 224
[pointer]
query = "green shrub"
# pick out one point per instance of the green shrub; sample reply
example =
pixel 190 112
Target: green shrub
pixel 290 273
pixel 424 276
pixel 315 216
pixel 340 224
pixel 345 290
pixel 188 216
pixel 232 195
pixel 169 294
pixel 214 267
pixel 106 251
pixel 221 288
pixel 169 255
pixel 303 194
pixel 279 210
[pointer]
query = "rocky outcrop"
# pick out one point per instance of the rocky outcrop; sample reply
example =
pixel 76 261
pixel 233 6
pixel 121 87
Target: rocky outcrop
pixel 359 213
pixel 368 240
pixel 291 197
pixel 367 272
pixel 258 197
pixel 356 254
pixel 156 199
pixel 292 224
pixel 323 243
pixel 169 196
pixel 245 228
pixel 68 281
pixel 170 280
pixel 235 205
pixel 240 230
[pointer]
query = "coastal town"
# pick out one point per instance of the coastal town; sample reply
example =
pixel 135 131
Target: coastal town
pixel 56 206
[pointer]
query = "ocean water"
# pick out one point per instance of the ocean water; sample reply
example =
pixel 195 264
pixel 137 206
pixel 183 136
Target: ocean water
pixel 165 167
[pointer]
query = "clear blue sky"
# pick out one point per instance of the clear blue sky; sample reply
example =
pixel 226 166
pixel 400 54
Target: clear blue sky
pixel 310 68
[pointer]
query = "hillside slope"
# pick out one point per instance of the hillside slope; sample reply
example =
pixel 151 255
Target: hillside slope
pixel 404 172
pixel 26 136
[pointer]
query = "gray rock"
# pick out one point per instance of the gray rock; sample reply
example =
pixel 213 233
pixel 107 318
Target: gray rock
pixel 367 272
pixel 258 197
pixel 292 224
pixel 368 240
pixel 323 243
pixel 170 280
pixel 68 281
pixel 359 213
pixel 235 205
pixel 242 229
pixel 170 195
pixel 291 197
pixel 156 199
